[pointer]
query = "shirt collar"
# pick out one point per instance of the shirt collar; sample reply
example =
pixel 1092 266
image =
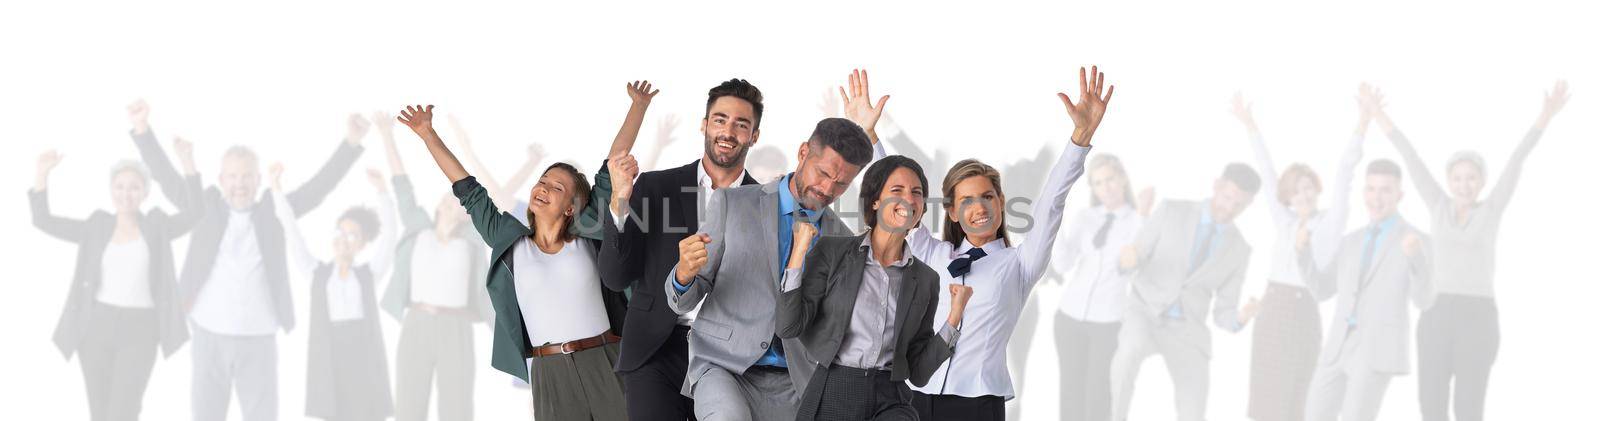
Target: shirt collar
pixel 786 202
pixel 905 251
pixel 704 179
pixel 1121 211
pixel 1205 216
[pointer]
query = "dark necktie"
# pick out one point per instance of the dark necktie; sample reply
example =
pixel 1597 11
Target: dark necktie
pixel 1105 228
pixel 963 263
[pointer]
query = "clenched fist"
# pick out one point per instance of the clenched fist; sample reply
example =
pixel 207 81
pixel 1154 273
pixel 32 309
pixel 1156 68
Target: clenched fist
pixel 691 257
pixel 803 233
pixel 959 294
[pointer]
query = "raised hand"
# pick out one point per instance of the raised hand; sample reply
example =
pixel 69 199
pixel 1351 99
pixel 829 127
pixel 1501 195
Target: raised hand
pixel 641 92
pixel 1087 112
pixel 356 128
pixel 275 176
pixel 139 116
pixel 858 104
pixel 419 118
pixel 185 151
pixel 959 295
pixel 1553 102
pixel 801 243
pixel 691 257
pixel 1241 111
pixel 384 124
pixel 47 163
pixel 377 179
pixel 623 169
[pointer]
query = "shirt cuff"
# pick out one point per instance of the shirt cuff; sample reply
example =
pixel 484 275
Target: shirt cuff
pixel 617 219
pixel 673 280
pixel 791 279
pixel 949 334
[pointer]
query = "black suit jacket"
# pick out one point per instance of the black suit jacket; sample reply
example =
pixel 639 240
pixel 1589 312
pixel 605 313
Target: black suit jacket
pixel 664 211
pixel 819 311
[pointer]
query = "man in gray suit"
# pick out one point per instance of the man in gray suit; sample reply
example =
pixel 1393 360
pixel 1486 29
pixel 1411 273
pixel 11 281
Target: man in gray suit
pixel 1186 255
pixel 738 369
pixel 1377 269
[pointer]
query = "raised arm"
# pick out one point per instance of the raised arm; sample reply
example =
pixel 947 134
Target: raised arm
pixel 1051 204
pixel 622 167
pixel 191 208
pixel 1269 171
pixel 301 262
pixel 1329 230
pixel 1433 194
pixel 412 216
pixel 388 226
pixel 161 169
pixel 420 119
pixel 69 229
pixel 310 194
pixel 1512 173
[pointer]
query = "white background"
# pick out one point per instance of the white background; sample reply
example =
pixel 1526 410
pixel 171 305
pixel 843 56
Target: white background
pixel 974 79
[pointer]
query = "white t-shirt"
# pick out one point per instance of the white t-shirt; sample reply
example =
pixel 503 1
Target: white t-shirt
pixel 344 296
pixel 440 270
pixel 235 299
pixel 125 275
pixel 559 294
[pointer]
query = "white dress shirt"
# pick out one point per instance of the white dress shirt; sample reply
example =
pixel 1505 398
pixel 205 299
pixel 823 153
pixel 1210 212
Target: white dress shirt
pixel 1001 282
pixel 1326 226
pixel 344 291
pixel 125 275
pixel 439 270
pixel 559 294
pixel 1095 288
pixel 235 299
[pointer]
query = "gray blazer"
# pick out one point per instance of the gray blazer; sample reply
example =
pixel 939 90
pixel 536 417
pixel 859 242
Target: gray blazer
pixel 1377 302
pixel 1163 278
pixel 737 290
pixel 819 312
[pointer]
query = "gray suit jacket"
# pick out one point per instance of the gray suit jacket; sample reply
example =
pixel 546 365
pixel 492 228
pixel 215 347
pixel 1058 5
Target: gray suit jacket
pixel 819 312
pixel 1377 302
pixel 737 290
pixel 1163 278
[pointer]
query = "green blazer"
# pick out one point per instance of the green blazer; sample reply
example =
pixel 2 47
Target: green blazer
pixel 501 231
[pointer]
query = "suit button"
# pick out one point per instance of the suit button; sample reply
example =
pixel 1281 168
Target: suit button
pixel 764 345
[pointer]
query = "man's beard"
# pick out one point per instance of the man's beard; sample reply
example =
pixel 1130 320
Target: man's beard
pixel 729 160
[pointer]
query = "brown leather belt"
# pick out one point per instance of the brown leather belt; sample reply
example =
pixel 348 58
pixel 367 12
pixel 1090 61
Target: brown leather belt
pixel 569 347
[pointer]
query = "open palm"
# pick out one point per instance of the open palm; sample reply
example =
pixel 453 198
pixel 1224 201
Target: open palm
pixel 1087 112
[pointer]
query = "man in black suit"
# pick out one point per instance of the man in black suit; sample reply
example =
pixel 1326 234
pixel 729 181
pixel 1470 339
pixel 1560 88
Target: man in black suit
pixel 641 245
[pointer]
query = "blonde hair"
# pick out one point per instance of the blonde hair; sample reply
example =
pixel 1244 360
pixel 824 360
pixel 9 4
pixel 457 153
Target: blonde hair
pixel 1111 161
pixel 968 168
pixel 1289 181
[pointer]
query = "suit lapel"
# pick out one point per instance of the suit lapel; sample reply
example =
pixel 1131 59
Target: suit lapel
pixel 909 290
pixel 688 212
pixel 769 228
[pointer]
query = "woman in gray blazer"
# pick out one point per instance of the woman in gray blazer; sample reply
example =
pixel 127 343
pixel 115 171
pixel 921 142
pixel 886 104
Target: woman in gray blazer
pixel 122 306
pixel 864 306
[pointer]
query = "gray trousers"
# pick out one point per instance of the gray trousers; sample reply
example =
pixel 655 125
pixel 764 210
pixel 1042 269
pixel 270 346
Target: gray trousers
pixel 117 355
pixel 1346 389
pixel 761 393
pixel 434 349
pixel 578 386
pixel 1085 349
pixel 847 393
pixel 1139 339
pixel 228 364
